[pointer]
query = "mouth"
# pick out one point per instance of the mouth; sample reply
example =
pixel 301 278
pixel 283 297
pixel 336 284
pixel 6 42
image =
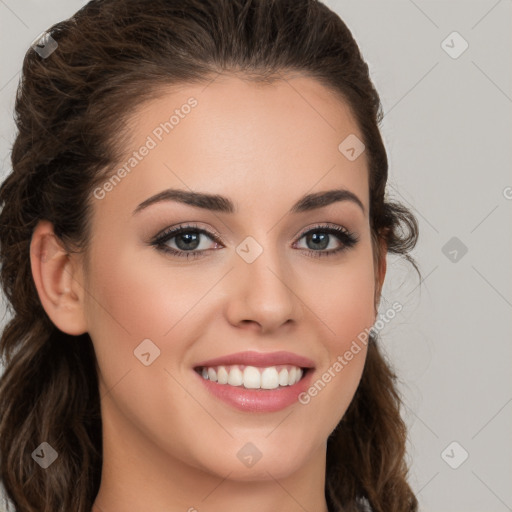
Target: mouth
pixel 256 382
pixel 254 377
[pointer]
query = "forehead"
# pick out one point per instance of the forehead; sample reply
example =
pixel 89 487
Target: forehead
pixel 243 139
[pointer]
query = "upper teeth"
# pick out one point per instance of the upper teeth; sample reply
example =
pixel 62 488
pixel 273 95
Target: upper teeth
pixel 252 377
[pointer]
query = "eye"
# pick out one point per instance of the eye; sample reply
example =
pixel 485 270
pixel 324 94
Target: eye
pixel 320 237
pixel 187 241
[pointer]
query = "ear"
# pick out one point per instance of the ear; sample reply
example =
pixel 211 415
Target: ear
pixel 58 279
pixel 380 270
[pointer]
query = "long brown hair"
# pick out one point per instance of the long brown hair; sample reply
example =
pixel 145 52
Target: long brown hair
pixel 111 56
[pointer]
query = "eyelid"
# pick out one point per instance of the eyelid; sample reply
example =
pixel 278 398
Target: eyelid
pixel 323 225
pixel 216 236
pixel 210 232
pixel 347 238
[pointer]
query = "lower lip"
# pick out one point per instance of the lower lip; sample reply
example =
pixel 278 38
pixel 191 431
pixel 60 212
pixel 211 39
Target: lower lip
pixel 258 400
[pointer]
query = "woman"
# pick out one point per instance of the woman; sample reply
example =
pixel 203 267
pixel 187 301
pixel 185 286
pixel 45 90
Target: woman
pixel 194 241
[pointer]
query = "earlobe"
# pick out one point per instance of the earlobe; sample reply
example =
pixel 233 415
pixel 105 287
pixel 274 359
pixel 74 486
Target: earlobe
pixel 57 280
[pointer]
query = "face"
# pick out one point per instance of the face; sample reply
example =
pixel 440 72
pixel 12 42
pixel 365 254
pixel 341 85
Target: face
pixel 263 278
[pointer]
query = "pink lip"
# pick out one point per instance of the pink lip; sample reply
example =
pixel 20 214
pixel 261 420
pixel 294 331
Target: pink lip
pixel 259 359
pixel 258 400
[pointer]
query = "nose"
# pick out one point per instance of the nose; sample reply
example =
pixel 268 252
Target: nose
pixel 262 295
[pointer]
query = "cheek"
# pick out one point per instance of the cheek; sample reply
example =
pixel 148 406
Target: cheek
pixel 343 299
pixel 131 300
pixel 139 293
pixel 345 306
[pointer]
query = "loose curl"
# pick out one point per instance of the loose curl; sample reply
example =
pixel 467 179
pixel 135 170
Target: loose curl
pixel 70 113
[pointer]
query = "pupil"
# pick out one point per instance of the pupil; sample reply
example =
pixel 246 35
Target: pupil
pixel 189 238
pixel 323 238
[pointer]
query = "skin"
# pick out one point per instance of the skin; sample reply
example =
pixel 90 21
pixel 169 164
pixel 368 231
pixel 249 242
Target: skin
pixel 168 444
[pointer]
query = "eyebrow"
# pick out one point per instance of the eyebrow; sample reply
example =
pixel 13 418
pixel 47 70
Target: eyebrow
pixel 218 203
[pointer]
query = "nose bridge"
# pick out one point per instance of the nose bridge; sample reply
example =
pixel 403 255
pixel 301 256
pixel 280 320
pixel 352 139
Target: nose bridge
pixel 261 282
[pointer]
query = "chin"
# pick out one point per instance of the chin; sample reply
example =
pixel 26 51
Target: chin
pixel 247 463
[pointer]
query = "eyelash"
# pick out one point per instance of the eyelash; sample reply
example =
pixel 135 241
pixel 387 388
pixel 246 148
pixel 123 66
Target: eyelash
pixel 347 238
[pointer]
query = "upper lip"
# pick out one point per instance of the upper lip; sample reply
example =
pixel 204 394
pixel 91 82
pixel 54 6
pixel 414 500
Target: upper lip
pixel 261 359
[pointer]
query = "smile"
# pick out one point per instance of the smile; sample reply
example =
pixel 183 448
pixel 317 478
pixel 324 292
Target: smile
pixel 252 377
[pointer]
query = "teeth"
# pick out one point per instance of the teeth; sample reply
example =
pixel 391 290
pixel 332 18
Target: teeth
pixel 269 378
pixel 283 377
pixel 235 377
pixel 222 375
pixel 252 377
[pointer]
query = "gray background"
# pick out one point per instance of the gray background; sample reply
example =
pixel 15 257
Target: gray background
pixel 447 130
